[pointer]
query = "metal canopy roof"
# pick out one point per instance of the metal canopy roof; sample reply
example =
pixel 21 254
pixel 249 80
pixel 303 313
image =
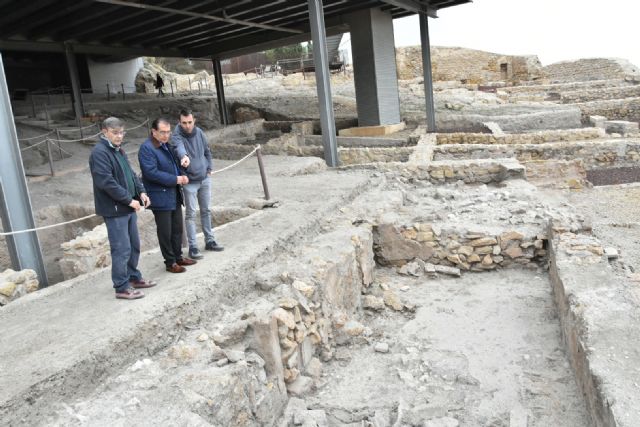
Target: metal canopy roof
pixel 180 28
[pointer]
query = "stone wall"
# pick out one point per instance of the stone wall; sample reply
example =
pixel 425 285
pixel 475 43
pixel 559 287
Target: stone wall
pixel 539 137
pixel 593 303
pixel 314 304
pixel 590 69
pixel 587 95
pixel 618 109
pixel 467 171
pixel 594 154
pixel 15 284
pixel 467 65
pixel 564 174
pixel 466 250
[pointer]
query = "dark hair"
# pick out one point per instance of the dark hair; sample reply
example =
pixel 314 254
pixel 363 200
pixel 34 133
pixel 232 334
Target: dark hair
pixel 185 112
pixel 156 122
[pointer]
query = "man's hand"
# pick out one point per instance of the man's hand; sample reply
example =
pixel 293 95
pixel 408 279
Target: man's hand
pixel 184 162
pixel 145 199
pixel 135 205
pixel 182 179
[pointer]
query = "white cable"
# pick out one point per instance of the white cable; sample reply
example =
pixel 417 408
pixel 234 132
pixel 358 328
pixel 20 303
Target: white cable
pixel 47 226
pixel 32 146
pixel 238 162
pixel 34 137
pixel 76 140
pixel 139 126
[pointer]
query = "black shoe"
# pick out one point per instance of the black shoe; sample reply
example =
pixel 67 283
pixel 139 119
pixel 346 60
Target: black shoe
pixel 213 246
pixel 194 253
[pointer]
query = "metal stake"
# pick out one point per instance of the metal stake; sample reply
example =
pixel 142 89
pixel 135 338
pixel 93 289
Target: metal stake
pixel 80 127
pixel 50 156
pixel 122 86
pixel 46 114
pixel 171 83
pixel 263 175
pixel 59 143
pixel 108 93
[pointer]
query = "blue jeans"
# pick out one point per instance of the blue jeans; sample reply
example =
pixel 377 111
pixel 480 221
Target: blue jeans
pixel 200 193
pixel 125 249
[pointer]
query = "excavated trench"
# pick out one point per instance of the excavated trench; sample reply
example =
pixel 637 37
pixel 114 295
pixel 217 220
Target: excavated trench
pixel 454 324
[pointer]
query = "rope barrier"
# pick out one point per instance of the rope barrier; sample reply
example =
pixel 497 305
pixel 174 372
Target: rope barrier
pixel 57 144
pixel 93 215
pixel 35 137
pixel 238 162
pixel 76 129
pixel 34 145
pixel 139 126
pixel 76 140
pixel 47 226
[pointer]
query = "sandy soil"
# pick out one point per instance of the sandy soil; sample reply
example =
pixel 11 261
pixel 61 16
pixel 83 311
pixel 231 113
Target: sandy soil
pixel 483 350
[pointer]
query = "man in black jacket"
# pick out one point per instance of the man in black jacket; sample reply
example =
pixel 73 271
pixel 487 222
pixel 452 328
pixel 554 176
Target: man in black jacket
pixel 117 193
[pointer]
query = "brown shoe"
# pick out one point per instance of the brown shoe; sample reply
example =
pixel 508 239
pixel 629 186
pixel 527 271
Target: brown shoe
pixel 142 283
pixel 129 293
pixel 186 261
pixel 175 268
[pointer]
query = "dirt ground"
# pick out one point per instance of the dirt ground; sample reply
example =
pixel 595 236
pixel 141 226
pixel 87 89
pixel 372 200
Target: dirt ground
pixel 481 350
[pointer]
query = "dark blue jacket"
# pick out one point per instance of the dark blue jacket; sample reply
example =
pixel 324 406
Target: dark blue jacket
pixel 159 171
pixel 110 193
pixel 196 147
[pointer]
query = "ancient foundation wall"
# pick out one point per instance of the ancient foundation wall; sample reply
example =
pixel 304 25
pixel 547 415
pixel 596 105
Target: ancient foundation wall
pixel 594 154
pixel 15 284
pixel 467 250
pixel 578 273
pixel 539 137
pixel 619 109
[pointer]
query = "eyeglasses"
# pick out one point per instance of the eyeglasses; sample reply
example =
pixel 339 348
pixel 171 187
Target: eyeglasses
pixel 163 132
pixel 117 132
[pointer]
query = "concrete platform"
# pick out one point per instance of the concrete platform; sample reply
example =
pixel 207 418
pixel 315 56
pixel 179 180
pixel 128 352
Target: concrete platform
pixel 62 341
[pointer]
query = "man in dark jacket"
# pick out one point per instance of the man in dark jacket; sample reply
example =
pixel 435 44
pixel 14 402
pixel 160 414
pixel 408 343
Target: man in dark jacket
pixel 117 193
pixel 192 149
pixel 162 180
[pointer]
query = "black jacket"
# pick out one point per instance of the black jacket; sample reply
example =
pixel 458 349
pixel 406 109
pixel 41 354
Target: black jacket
pixel 110 193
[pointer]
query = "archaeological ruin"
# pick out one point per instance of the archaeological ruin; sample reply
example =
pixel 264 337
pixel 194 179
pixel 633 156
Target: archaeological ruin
pixel 465 255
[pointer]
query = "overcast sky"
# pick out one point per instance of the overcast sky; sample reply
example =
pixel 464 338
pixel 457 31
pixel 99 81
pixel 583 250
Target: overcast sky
pixel 554 30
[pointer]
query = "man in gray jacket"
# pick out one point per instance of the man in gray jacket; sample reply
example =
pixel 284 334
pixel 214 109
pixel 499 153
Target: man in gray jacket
pixel 191 147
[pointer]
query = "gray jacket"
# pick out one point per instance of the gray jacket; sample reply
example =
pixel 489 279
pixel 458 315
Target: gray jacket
pixel 196 147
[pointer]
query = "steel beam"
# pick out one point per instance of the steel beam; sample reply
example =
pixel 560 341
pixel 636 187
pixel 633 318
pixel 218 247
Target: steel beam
pixel 415 6
pixel 222 102
pixel 428 79
pixel 323 82
pixel 94 49
pixel 78 105
pixel 197 15
pixel 15 203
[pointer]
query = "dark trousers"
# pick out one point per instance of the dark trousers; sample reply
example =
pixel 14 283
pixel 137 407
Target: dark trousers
pixel 169 226
pixel 125 249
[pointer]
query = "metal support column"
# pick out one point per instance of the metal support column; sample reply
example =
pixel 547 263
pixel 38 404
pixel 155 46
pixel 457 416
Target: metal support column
pixel 426 68
pixel 222 102
pixel 24 248
pixel 78 105
pixel 323 82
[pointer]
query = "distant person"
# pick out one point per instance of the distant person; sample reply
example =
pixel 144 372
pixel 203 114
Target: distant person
pixel 192 149
pixel 162 179
pixel 117 194
pixel 159 85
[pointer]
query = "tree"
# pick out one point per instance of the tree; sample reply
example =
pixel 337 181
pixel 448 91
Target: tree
pixel 286 52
